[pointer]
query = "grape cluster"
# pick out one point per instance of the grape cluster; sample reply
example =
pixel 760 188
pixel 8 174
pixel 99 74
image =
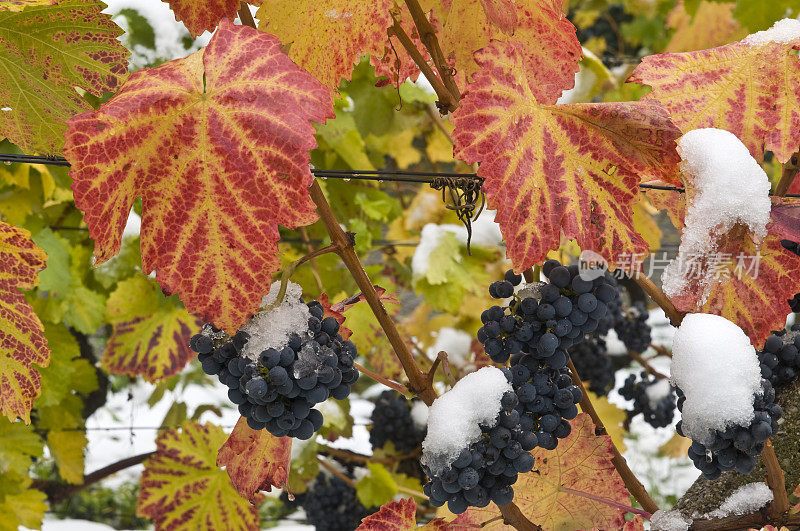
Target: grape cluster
pixel 487 469
pixel 794 302
pixel 331 504
pixel 549 318
pixel 592 362
pixel 632 328
pixel 279 389
pixel 547 398
pixel 737 447
pixel 392 421
pixel 656 405
pixel 780 359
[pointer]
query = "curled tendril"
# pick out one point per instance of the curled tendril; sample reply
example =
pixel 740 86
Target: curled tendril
pixel 465 194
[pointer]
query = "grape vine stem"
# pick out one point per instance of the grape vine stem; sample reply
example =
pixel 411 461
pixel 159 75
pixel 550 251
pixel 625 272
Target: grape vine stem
pixel 776 482
pixel 790 169
pixel 400 388
pixel 632 483
pixel 646 364
pixel 659 297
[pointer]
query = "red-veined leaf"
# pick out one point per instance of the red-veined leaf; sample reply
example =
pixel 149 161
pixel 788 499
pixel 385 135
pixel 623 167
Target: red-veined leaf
pixel 328 37
pixel 395 63
pixel 22 341
pixel 749 90
pixel 786 217
pixel 151 334
pixel 47 51
pixel 19 5
pixel 582 463
pixel 546 42
pixel 201 15
pixel 750 284
pixel 399 516
pixel 254 459
pixel 217 146
pixel 183 488
pixel 571 168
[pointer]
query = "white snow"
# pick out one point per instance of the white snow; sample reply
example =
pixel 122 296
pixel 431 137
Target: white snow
pixel 419 414
pixel 730 188
pixel 453 341
pixel 717 368
pixel 485 233
pixel 657 392
pixel 784 31
pixel 669 521
pixel 747 499
pixel 454 418
pixel 272 327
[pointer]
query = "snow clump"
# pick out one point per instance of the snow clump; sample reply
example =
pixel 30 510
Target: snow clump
pixel 271 328
pixel 782 31
pixel 747 499
pixel 657 392
pixel 669 521
pixel 730 188
pixel 454 419
pixel 717 369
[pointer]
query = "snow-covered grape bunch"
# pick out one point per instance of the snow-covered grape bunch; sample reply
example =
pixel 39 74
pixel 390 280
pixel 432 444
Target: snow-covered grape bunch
pixel 285 360
pixel 653 397
pixel 544 319
pixel 398 420
pixel 474 453
pixel 780 359
pixel 727 404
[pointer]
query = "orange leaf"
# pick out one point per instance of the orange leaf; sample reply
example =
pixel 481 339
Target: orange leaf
pixel 328 37
pixel 751 283
pixel 581 462
pixel 398 516
pixel 254 459
pixel 571 168
pixel 748 90
pixel 21 331
pixel 217 146
pixel 201 15
pixel 546 42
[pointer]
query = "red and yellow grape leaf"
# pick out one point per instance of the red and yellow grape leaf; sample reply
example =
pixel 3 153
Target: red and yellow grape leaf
pixel 216 144
pixel 671 201
pixel 150 335
pixel 581 462
pixel 395 63
pixel 254 459
pixel 565 168
pixel 327 37
pixel 750 284
pixel 22 340
pixel 201 15
pixel 46 51
pixel 749 90
pixel 19 5
pixel 546 42
pixel 711 25
pixel 785 215
pixel 399 515
pixel 183 488
pixel 637 524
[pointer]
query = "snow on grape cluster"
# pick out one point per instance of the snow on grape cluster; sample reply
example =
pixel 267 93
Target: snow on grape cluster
pixel 284 361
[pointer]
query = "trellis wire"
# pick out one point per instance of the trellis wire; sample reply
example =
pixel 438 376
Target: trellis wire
pixel 359 175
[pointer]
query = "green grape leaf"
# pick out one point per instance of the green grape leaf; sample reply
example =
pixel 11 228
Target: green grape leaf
pixel 24 508
pixel 21 331
pixel 124 265
pixel 377 487
pixel 151 332
pixel 66 447
pixel 183 488
pixel 56 277
pixel 57 378
pixel 46 51
pixel 757 15
pixel 18 445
